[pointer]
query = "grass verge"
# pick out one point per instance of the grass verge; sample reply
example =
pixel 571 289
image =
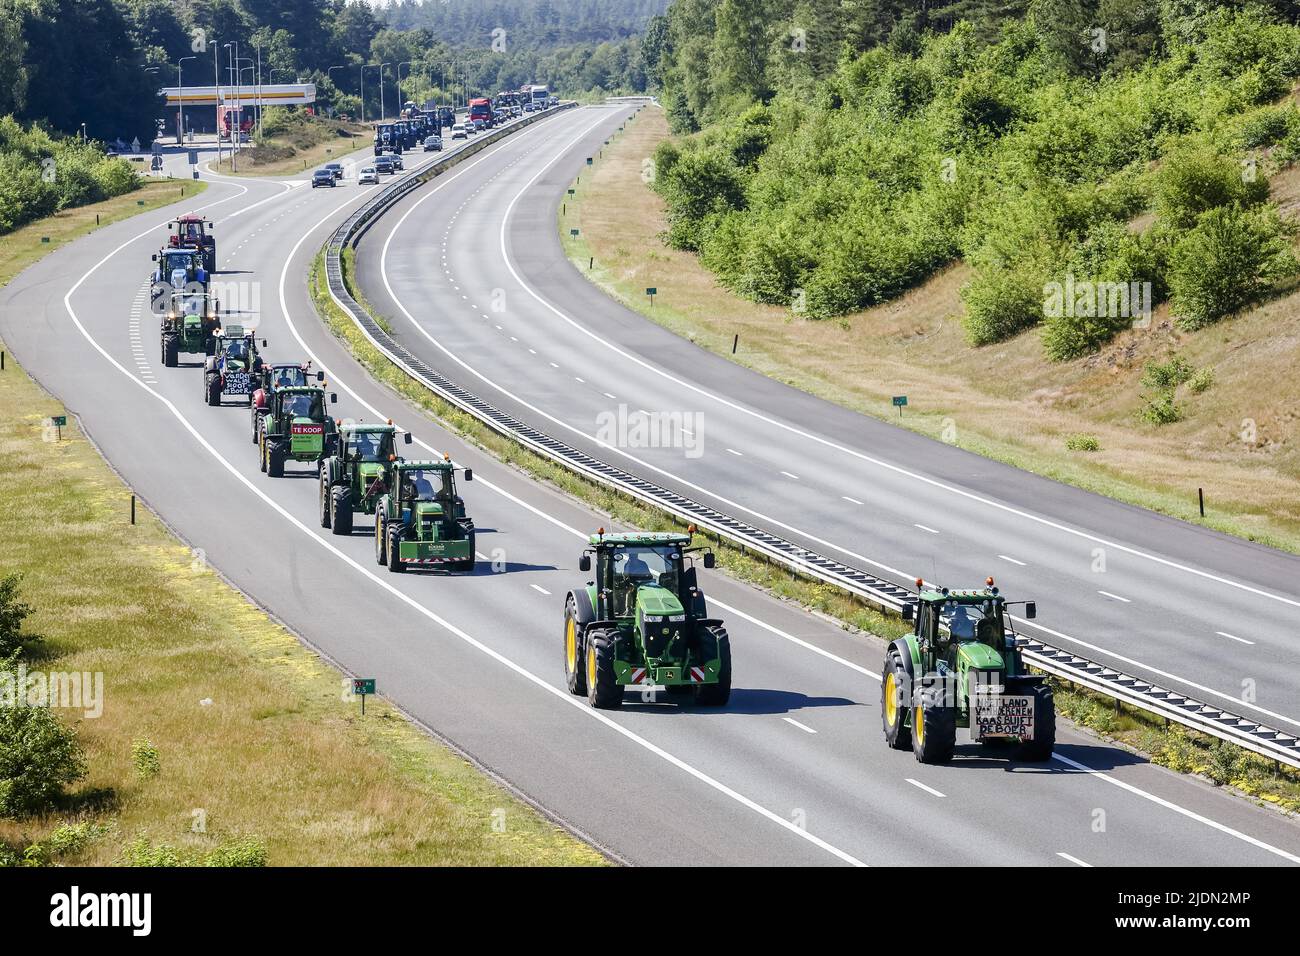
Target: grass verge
pixel 222 740
pixel 300 148
pixel 23 246
pixel 1174 747
pixel 1005 402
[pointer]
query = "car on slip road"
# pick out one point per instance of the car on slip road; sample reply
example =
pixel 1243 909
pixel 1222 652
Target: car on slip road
pixel 368 176
pixel 322 177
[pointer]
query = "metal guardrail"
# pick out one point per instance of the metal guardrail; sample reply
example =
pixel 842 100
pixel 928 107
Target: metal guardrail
pixel 878 592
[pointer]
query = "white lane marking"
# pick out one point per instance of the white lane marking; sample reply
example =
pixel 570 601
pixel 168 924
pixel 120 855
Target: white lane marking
pixel 538 587
pixel 1233 637
pixel 1169 805
pixel 738 454
pixel 582 380
pixel 929 790
pixel 804 727
pixel 607 395
pixel 1115 596
pixel 852 501
pixel 1012 560
pixel 924 528
pixel 1074 859
pixel 789 475
pixel 761 624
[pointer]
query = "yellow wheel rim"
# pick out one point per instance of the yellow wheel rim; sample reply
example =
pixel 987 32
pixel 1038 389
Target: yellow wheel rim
pixel 591 666
pixel 918 725
pixel 891 699
pixel 570 647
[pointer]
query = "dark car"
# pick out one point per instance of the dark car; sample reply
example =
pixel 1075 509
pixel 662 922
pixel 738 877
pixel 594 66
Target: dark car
pixel 322 177
pixel 384 164
pixel 336 169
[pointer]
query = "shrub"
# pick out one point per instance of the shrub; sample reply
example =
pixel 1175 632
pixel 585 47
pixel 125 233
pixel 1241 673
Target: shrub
pixel 1195 180
pixel 140 852
pixel 144 756
pixel 243 852
pixel 1229 259
pixel 13 613
pixel 1083 443
pixel 1162 409
pixel 1002 301
pixel 1266 127
pixel 1167 376
pixel 39 756
pixel 1201 381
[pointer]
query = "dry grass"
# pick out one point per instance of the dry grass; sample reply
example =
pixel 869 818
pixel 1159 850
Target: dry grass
pixel 23 246
pixel 277 757
pixel 301 150
pixel 1005 401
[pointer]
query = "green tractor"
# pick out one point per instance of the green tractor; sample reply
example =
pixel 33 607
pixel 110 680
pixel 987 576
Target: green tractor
pixel 420 520
pixel 643 621
pixel 296 428
pixel 356 476
pixel 189 325
pixel 961 667
pixel 234 366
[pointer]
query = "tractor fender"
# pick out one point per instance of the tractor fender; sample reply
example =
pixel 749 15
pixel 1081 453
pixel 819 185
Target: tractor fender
pixel 582 607
pixel 910 654
pixel 708 622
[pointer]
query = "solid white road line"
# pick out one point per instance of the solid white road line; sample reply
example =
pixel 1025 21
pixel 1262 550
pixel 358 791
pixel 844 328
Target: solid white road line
pixel 1012 560
pixel 539 589
pixel 1115 596
pixel 1233 637
pixel 1074 859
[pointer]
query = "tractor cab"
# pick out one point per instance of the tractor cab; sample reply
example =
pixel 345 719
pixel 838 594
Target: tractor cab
pixel 359 474
pixel 642 570
pixel 194 232
pixel 297 427
pixel 180 268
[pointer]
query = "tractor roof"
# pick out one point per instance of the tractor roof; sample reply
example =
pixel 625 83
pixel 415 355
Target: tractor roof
pixel 425 465
pixel 362 428
pixel 189 218
pixel 296 389
pixel 936 595
pixel 644 538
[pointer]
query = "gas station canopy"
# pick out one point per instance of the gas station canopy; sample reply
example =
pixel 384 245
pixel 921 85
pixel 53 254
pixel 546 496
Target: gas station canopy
pixel 269 94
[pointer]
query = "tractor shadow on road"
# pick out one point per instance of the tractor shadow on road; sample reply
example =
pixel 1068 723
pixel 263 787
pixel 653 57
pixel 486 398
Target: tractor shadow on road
pixel 747 700
pixel 1095 757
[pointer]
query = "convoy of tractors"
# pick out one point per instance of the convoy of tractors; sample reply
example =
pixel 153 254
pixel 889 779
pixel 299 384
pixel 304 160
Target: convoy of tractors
pixel 642 622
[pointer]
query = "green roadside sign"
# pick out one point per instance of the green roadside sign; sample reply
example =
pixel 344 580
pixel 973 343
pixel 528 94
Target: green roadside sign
pixel 59 420
pixel 651 290
pixel 363 685
pixel 899 402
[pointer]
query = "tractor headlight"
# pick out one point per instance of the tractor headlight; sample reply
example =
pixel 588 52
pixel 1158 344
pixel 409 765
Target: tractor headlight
pixel 652 619
pixel 677 617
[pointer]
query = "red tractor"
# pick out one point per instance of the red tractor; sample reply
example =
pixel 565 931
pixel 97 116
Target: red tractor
pixel 193 232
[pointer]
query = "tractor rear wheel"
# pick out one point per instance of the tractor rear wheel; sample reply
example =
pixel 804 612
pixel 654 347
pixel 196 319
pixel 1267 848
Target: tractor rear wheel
pixel 325 503
pixel 575 651
pixel 716 695
pixel 274 459
pixel 341 509
pixel 212 389
pixel 394 548
pixel 261 453
pixel 1040 748
pixel 381 556
pixel 170 351
pixel 934 727
pixel 603 690
pixel 893 703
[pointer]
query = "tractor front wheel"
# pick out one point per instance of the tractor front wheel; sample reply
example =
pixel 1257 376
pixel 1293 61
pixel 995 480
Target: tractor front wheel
pixel 603 690
pixel 212 389
pixel 381 556
pixel 1040 748
pixel 394 548
pixel 261 453
pixel 170 351
pixel 274 459
pixel 934 727
pixel 341 510
pixel 716 695
pixel 575 652
pixel 893 703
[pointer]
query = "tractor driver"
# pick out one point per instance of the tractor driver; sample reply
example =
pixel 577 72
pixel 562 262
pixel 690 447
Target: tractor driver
pixel 302 405
pixel 963 621
pixel 635 572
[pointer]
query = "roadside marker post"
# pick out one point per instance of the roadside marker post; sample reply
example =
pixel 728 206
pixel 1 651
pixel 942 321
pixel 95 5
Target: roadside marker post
pixel 1200 493
pixel 132 509
pixel 900 402
pixel 361 687
pixel 734 343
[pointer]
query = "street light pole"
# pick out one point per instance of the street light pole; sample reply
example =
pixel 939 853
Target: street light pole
pixel 216 86
pixel 180 99
pixel 399 80
pixel 383 113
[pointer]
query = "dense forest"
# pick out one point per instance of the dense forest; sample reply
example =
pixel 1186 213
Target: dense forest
pixel 100 62
pixel 838 154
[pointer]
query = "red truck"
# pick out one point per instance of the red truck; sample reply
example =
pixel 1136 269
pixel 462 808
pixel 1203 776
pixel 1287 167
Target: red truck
pixel 231 116
pixel 481 109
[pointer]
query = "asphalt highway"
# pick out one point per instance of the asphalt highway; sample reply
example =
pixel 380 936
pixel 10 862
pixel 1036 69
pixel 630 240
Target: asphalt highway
pixel 794 771
pixel 474 278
